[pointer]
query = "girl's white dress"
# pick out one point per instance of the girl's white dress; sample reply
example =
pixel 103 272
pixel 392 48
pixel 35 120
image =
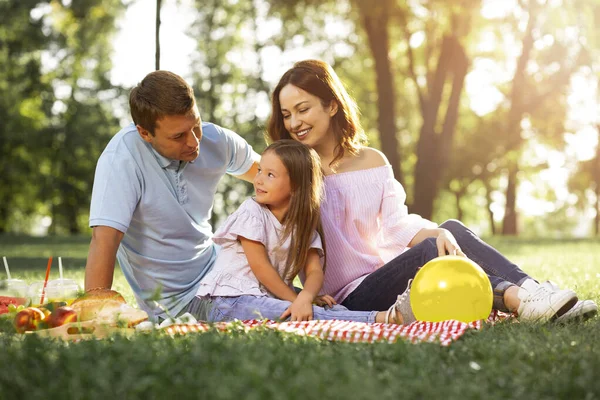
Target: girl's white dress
pixel 231 274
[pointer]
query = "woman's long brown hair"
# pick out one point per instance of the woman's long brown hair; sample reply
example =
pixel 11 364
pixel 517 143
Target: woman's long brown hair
pixel 303 217
pixel 319 79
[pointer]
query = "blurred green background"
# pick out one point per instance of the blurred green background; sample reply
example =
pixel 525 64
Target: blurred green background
pixel 488 110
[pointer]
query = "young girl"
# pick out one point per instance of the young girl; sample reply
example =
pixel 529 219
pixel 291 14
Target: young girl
pixel 375 246
pixel 268 241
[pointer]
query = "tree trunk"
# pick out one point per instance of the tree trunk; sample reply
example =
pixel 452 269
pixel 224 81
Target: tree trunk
pixel 157 35
pixel 375 20
pixel 433 149
pixel 488 199
pixel 597 182
pixel 515 115
pixel 457 197
pixel 5 193
pixel 4 213
pixel 74 228
pixel 509 224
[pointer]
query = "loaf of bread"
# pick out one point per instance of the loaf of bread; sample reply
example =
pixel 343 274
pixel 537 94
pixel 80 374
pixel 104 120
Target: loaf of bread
pixel 107 307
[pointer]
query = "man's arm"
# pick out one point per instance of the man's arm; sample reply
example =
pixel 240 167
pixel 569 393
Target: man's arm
pixel 249 175
pixel 100 266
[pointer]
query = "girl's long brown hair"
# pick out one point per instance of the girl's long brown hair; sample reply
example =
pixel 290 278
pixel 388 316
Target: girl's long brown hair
pixel 303 217
pixel 319 79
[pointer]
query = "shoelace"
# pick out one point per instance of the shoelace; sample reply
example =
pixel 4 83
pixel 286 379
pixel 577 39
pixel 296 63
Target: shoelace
pixel 402 297
pixel 540 294
pixel 399 301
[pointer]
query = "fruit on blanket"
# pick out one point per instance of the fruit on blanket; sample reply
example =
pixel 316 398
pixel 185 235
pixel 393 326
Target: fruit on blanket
pixel 8 313
pixel 451 287
pixel 29 319
pixel 61 316
pixel 6 301
pixel 52 305
pixel 46 313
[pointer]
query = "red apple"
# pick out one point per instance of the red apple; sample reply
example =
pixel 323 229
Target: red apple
pixel 28 319
pixel 61 316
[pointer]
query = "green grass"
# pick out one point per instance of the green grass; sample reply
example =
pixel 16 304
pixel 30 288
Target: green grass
pixel 28 258
pixel 502 362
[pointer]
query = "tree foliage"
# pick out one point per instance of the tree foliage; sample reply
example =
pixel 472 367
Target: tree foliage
pixel 59 116
pixel 408 64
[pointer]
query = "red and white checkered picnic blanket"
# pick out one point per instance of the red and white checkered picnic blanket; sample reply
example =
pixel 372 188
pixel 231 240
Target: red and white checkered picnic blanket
pixel 444 333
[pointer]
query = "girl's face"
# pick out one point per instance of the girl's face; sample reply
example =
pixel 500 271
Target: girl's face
pixel 305 118
pixel 272 183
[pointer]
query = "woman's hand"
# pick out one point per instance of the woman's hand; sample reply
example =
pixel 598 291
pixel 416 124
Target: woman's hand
pixel 446 244
pixel 301 308
pixel 325 300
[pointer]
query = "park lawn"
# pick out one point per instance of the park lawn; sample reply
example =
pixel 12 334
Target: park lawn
pixel 501 362
pixel 28 258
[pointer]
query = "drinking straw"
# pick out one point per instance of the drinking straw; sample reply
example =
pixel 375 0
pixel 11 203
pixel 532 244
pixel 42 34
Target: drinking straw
pixel 6 267
pixel 60 268
pixel 46 280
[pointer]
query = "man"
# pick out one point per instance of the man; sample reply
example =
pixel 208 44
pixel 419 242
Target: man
pixel 153 194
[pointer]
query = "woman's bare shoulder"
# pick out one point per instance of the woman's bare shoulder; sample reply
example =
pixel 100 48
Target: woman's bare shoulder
pixel 371 158
pixel 366 158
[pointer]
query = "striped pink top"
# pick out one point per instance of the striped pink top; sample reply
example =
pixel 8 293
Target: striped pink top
pixel 366 224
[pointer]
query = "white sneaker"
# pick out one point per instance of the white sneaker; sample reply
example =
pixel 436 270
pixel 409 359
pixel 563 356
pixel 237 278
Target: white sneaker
pixel 540 304
pixel 581 311
pixel 402 307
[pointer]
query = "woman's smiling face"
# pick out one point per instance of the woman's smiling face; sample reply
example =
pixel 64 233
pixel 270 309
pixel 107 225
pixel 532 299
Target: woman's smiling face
pixel 305 117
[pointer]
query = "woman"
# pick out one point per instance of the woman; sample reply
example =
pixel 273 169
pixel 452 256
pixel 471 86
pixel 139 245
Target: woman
pixel 374 246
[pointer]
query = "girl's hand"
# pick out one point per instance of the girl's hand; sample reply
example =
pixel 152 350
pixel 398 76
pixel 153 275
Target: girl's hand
pixel 300 310
pixel 446 244
pixel 325 300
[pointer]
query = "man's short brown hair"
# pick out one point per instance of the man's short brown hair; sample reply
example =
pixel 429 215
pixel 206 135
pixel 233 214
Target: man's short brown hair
pixel 159 94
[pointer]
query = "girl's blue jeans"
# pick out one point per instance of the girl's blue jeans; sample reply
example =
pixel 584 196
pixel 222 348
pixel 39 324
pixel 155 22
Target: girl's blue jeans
pixel 216 309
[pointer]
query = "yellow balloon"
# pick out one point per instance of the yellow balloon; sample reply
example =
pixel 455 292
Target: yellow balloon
pixel 451 287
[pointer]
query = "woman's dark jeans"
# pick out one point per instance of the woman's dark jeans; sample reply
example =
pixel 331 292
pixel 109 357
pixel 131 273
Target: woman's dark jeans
pixel 379 290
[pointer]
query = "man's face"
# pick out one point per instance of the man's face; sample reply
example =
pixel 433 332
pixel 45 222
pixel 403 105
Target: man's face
pixel 176 137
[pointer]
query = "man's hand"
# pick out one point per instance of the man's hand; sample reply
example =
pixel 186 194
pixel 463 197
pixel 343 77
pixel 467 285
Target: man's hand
pixel 249 175
pixel 301 308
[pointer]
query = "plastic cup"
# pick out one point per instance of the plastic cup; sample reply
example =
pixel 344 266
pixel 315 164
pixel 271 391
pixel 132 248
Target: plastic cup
pixel 14 291
pixel 63 282
pixel 56 293
pixel 65 290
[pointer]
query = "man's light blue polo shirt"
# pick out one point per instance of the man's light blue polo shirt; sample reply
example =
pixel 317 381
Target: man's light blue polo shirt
pixel 163 207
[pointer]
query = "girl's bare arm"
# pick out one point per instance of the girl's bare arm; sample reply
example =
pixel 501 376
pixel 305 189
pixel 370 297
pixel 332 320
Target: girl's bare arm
pixel 264 271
